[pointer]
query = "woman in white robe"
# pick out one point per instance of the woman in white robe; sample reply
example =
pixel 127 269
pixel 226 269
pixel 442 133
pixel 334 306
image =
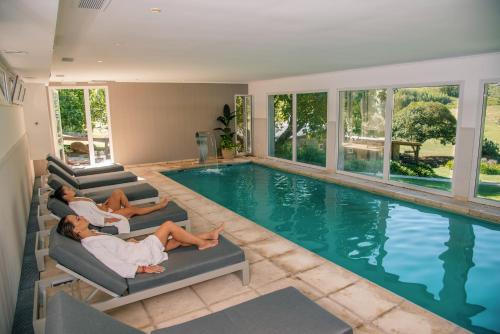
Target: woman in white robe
pixel 113 212
pixel 127 258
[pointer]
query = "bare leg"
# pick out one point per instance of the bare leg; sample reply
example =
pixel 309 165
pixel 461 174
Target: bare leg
pixel 212 235
pixel 181 236
pixel 117 200
pixel 139 211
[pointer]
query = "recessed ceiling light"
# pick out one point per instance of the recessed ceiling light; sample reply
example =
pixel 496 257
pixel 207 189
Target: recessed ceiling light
pixel 117 44
pixel 99 61
pixel 156 10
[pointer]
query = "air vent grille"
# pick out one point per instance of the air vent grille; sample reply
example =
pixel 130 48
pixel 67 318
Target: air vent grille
pixel 67 59
pixel 94 4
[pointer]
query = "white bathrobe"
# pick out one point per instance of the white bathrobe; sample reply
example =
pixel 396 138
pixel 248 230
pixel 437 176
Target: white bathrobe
pixel 124 257
pixel 95 216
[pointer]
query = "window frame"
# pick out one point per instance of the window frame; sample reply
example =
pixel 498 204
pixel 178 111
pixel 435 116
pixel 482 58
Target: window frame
pixel 270 134
pixel 478 138
pixel 389 110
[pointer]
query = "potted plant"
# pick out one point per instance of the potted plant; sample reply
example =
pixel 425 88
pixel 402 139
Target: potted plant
pixel 227 143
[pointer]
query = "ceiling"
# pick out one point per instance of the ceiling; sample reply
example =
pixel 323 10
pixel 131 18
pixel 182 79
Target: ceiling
pixel 242 41
pixel 28 26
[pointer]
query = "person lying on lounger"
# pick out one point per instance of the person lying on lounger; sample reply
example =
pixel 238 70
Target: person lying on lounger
pixel 127 258
pixel 113 212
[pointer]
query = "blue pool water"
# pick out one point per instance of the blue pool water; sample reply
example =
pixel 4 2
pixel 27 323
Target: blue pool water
pixel 447 263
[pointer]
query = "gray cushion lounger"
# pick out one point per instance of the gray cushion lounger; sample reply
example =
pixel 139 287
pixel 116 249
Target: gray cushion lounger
pixel 92 181
pixel 171 212
pixel 133 191
pixel 285 311
pixel 84 171
pixel 182 263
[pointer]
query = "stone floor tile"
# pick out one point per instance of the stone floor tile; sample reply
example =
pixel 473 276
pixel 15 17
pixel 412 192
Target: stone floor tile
pixel 220 216
pixel 147 329
pixel 264 272
pixel 238 223
pixel 220 288
pixel 250 235
pixel 306 289
pixel 173 304
pixel 368 329
pixel 233 301
pixel 272 247
pixel 365 299
pixel 184 318
pixel 340 312
pixel 251 255
pixel 328 277
pixel 132 314
pixel 409 318
pixel 297 260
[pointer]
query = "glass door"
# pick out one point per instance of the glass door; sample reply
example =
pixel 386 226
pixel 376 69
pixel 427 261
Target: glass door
pixel 243 126
pixel 83 125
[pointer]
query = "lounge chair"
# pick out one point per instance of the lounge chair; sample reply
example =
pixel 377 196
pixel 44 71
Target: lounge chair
pixel 139 225
pixel 136 192
pixel 92 181
pixel 285 311
pixel 84 171
pixel 185 266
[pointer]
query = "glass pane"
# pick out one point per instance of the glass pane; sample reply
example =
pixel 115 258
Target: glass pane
pixel 248 109
pixel 280 108
pixel 59 133
pixel 239 126
pixel 489 167
pixel 362 132
pixel 311 128
pixel 74 127
pixel 100 125
pixel 423 136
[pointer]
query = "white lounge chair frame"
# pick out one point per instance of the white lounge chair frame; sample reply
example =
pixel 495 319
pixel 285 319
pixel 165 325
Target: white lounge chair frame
pixel 40 298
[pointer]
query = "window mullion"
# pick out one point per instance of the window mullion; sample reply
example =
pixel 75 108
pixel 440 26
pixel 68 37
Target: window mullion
pixel 388 133
pixel 294 127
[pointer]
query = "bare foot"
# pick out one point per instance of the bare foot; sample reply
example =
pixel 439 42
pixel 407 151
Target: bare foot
pixel 208 244
pixel 163 203
pixel 214 234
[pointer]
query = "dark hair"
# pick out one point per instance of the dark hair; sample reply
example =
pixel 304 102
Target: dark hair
pixel 67 229
pixel 59 194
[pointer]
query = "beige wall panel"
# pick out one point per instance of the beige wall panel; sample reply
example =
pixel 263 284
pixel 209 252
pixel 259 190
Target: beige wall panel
pixel 16 180
pixel 154 122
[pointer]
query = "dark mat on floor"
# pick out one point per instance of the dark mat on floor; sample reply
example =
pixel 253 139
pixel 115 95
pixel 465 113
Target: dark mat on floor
pixel 29 273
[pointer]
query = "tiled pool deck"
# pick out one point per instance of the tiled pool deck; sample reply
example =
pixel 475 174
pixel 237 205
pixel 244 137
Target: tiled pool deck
pixel 275 263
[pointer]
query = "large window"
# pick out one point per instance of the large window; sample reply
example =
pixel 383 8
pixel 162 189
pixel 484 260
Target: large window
pixel 243 123
pixel 488 185
pixel 362 131
pixel 424 122
pixel 297 127
pixel 311 128
pixel 281 126
pixel 83 125
pixel 412 142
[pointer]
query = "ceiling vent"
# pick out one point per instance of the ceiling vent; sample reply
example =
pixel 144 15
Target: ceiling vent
pixel 94 4
pixel 67 59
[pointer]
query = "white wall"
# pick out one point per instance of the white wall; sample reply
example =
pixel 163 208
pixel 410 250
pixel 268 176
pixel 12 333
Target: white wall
pixel 16 183
pixel 466 71
pixel 37 120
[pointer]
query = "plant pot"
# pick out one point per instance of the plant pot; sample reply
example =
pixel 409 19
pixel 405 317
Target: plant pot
pixel 228 153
